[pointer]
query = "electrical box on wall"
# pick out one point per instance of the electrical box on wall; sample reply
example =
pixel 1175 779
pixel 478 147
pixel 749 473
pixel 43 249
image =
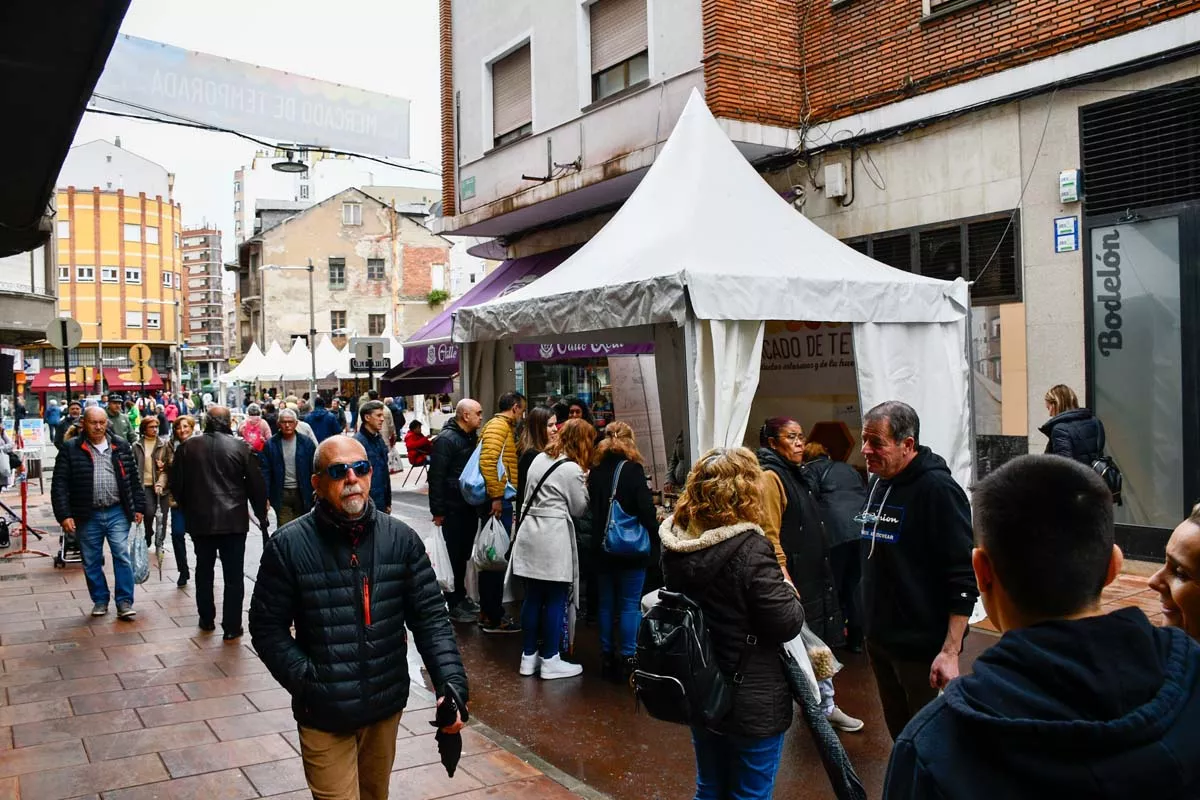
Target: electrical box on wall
pixel 835 181
pixel 1068 186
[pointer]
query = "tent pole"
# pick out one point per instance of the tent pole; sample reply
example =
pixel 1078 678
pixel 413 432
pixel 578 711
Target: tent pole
pixel 689 384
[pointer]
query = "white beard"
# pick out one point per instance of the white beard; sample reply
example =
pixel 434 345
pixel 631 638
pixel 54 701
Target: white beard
pixel 354 504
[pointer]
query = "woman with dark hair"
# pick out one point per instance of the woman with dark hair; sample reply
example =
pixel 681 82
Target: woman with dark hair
pixel 618 476
pixel 544 551
pixel 182 429
pixel 148 454
pixel 539 432
pixel 1072 431
pixel 791 520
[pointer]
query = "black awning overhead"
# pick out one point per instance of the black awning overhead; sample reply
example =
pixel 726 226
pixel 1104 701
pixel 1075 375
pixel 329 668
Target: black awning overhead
pixel 51 55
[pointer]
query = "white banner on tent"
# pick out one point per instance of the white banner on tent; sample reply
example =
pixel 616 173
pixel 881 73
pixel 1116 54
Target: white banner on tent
pixel 807 358
pixel 635 401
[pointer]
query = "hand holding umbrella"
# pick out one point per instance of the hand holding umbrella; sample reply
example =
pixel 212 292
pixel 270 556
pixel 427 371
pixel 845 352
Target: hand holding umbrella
pixel 451 716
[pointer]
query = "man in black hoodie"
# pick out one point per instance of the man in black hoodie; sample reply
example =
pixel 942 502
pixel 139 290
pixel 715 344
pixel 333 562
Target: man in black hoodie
pixel 918 589
pixel 1070 702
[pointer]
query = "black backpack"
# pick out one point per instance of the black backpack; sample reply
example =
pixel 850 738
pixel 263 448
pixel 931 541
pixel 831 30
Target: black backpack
pixel 1110 473
pixel 678 679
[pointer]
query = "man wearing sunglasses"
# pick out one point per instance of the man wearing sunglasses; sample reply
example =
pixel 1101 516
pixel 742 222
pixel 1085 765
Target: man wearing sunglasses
pixel 349 578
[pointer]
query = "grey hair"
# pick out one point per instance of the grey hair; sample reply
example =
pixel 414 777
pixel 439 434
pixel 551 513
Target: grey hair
pixel 901 419
pixel 369 407
pixel 254 410
pixel 289 413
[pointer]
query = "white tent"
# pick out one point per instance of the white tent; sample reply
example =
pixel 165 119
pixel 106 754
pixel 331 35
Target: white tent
pixel 272 364
pixel 247 368
pixel 329 358
pixel 297 366
pixel 697 259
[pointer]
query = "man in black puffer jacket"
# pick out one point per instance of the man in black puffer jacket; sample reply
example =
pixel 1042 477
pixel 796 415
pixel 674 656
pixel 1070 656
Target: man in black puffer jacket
pixel 459 522
pixel 349 578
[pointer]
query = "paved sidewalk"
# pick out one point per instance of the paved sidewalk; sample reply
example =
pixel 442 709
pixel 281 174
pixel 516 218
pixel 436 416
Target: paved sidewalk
pixel 156 708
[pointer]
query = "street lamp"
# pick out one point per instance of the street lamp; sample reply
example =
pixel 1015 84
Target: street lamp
pixel 312 314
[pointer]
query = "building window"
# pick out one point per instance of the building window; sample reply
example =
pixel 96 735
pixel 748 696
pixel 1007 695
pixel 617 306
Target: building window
pixel 64 274
pixel 166 279
pixel 237 206
pixel 151 235
pixel 237 186
pixel 337 321
pixel 620 58
pixel 437 277
pixel 512 97
pixel 133 319
pixel 133 232
pixel 337 273
pixel 133 275
pixel 110 275
pixel 177 241
pixel 154 319
pixel 304 191
pixel 376 324
pixel 376 270
pixel 352 213
pixel 85 274
pixel 957 249
pixel 64 229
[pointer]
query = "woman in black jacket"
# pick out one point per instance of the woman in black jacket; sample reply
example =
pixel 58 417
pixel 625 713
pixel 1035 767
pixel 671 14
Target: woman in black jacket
pixel 620 580
pixel 540 431
pixel 1073 432
pixel 715 553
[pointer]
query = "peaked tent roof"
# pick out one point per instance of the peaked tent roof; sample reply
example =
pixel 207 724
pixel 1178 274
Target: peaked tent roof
pixel 247 368
pixel 297 366
pixel 703 227
pixel 329 358
pixel 272 364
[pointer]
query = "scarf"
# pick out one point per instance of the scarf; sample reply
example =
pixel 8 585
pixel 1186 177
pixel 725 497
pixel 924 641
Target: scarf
pixel 329 518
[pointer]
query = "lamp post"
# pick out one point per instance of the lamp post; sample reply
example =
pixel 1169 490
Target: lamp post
pixel 312 315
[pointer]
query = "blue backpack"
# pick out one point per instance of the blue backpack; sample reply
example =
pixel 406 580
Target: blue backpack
pixel 624 535
pixel 471 482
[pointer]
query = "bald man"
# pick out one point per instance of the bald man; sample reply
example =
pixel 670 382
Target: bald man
pixel 348 578
pixel 459 522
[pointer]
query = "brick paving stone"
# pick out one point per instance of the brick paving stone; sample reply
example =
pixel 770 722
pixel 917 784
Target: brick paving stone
pixel 429 781
pixel 279 777
pixel 200 690
pixel 37 692
pixel 41 634
pixel 56 730
pixel 158 677
pixel 98 641
pixel 35 712
pixel 6 739
pixel 150 649
pixel 10 789
pixel 246 725
pixel 226 755
pixel 149 740
pixel 497 766
pixel 53 659
pixel 250 665
pixel 193 710
pixel 128 698
pixel 228 785
pixel 41 757
pixel 270 699
pixel 28 676
pixel 110 666
pixel 13 651
pixel 58 784
pixel 21 625
pixel 541 788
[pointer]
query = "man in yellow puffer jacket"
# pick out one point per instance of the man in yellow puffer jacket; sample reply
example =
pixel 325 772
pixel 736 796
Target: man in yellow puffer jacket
pixel 498 444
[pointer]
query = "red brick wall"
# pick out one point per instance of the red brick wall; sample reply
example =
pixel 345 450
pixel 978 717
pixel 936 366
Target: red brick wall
pixel 863 54
pixel 415 264
pixel 446 46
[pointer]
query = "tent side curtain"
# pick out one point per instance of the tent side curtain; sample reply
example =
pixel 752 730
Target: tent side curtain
pixel 728 353
pixel 926 367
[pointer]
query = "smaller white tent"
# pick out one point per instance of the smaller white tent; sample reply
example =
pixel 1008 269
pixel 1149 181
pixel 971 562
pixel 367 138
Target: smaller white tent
pixel 329 358
pixel 700 256
pixel 272 364
pixel 247 368
pixel 297 366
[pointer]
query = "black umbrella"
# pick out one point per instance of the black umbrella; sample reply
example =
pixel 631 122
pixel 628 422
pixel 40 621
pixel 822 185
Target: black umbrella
pixel 450 744
pixel 845 781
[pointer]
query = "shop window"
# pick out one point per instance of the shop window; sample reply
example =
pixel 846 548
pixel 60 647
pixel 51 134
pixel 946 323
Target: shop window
pixel 337 273
pixel 512 97
pixel 133 319
pixel 337 321
pixel 375 324
pixel 110 275
pixel 376 270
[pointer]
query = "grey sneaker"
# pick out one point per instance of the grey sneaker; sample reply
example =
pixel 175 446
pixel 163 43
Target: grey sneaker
pixel 471 605
pixel 100 609
pixel 461 613
pixel 125 611
pixel 841 721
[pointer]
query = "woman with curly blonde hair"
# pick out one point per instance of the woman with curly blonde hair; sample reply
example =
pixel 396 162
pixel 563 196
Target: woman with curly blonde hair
pixel 618 478
pixel 715 553
pixel 544 551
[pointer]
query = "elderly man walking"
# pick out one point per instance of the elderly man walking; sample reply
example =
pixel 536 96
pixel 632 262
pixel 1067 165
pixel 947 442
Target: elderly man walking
pixel 96 495
pixel 348 578
pixel 459 521
pixel 212 478
pixel 287 469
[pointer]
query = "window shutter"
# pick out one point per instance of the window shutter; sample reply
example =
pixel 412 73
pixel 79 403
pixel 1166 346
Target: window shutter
pixel 512 103
pixel 618 31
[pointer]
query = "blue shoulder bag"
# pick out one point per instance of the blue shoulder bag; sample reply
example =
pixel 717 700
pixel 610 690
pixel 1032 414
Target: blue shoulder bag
pixel 624 535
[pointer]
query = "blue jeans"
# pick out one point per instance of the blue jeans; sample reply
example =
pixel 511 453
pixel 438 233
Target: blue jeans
pixel 542 615
pixel 179 540
pixel 112 524
pixel 620 596
pixel 735 767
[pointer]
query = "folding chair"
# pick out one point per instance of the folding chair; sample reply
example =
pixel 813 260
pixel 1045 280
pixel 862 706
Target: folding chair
pixel 423 469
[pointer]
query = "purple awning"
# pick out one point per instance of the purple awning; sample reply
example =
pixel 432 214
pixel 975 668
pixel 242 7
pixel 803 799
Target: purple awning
pixel 431 345
pixel 555 352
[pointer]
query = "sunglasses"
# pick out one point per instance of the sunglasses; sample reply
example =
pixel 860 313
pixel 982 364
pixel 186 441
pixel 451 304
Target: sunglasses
pixel 338 471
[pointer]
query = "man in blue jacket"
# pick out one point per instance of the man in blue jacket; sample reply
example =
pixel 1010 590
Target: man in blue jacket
pixel 287 462
pixel 321 421
pixel 370 436
pixel 1071 702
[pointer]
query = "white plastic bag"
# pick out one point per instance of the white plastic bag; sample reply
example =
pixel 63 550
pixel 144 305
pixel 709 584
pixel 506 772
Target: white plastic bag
pixel 796 649
pixel 490 553
pixel 824 664
pixel 139 552
pixel 396 458
pixel 439 556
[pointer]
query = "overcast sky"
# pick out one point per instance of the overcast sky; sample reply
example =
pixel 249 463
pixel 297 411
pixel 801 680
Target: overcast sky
pixel 386 46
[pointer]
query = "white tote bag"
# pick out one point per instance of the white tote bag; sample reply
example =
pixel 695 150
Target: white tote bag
pixel 439 556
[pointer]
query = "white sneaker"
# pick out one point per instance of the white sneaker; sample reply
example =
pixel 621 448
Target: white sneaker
pixel 841 721
pixel 530 664
pixel 555 667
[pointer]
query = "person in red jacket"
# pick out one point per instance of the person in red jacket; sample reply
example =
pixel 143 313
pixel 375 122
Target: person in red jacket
pixel 419 445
